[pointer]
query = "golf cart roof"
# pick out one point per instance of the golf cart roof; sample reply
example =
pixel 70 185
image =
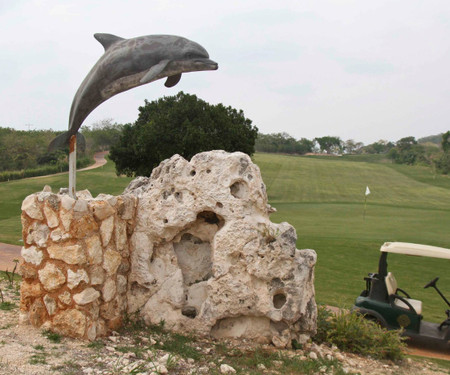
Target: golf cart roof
pixel 415 249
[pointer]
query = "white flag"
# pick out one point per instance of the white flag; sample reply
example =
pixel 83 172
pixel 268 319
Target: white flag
pixel 367 190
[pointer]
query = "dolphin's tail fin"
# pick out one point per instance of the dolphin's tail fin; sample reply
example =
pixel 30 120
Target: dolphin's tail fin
pixel 62 141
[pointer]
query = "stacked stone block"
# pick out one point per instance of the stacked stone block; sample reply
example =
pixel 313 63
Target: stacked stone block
pixel 76 261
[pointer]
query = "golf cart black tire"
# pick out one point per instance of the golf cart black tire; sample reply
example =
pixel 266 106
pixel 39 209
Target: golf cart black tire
pixel 372 316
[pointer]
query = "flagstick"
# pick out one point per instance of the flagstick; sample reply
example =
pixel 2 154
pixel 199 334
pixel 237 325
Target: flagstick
pixel 73 166
pixel 364 213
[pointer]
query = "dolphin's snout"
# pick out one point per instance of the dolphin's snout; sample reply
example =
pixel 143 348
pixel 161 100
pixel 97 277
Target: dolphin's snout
pixel 212 65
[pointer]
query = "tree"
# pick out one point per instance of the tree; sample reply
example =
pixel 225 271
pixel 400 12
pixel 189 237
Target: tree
pixel 380 147
pixel 352 147
pixel 408 151
pixel 329 144
pixel 180 124
pixel 283 143
pixel 446 141
pixel 442 160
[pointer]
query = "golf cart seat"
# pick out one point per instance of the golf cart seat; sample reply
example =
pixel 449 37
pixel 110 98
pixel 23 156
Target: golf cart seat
pixel 399 301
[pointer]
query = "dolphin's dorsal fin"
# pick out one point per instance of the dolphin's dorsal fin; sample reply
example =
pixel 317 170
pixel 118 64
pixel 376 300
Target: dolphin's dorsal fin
pixel 173 80
pixel 154 71
pixel 107 40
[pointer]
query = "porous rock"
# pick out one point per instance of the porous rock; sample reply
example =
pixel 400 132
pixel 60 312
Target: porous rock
pixel 37 234
pixel 51 277
pixel 192 245
pixel 32 255
pixel 50 304
pixel 94 249
pixel 86 296
pixel 111 261
pixel 75 278
pixel 70 254
pixel 206 258
pixel 70 322
pixel 31 208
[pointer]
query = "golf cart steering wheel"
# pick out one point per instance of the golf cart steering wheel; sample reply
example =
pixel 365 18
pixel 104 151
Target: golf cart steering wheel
pixel 432 283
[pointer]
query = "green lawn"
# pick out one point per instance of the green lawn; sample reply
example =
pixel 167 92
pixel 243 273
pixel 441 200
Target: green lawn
pixel 323 198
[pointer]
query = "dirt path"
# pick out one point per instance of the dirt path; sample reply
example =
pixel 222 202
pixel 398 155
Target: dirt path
pixel 421 352
pixel 7 255
pixel 99 158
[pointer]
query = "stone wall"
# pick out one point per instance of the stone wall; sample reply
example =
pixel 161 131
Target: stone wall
pixel 75 262
pixel 191 245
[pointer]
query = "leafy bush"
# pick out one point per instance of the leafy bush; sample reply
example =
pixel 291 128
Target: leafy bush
pixel 353 333
pixel 442 162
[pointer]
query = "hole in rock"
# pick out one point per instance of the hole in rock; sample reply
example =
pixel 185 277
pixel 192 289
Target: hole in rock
pixel 279 300
pixel 239 190
pixel 192 173
pixel 211 218
pixel 165 221
pixel 208 171
pixel 250 327
pixel 194 258
pixel 189 311
pixel 179 196
pixel 219 205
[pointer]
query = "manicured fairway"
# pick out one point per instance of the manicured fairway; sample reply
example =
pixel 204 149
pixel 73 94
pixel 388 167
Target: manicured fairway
pixel 324 200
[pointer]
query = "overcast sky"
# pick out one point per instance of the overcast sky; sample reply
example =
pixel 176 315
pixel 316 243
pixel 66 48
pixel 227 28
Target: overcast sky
pixel 362 70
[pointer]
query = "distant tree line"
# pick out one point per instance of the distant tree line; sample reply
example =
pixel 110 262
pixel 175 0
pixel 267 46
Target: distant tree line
pixel 25 153
pixel 186 125
pixel 283 143
pixel 433 150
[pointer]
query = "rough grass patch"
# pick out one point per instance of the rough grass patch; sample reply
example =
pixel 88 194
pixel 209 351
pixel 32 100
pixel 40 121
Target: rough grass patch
pixel 351 332
pixel 97 344
pixel 52 336
pixel 68 368
pixel 179 344
pixel 7 306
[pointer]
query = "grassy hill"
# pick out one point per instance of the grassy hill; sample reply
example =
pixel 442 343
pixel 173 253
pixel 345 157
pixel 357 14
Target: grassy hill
pixel 323 198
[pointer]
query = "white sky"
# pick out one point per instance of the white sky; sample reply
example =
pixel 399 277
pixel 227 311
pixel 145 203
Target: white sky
pixel 365 70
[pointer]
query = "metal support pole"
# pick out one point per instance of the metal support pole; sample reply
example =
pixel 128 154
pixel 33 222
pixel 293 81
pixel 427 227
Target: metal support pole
pixel 73 166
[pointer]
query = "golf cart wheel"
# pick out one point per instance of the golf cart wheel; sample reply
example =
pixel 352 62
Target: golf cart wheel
pixel 375 320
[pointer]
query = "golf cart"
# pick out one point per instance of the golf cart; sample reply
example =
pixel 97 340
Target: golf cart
pixel 381 301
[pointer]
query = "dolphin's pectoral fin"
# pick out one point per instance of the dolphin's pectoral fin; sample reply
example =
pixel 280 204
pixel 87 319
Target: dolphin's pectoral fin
pixel 172 80
pixel 107 40
pixel 154 71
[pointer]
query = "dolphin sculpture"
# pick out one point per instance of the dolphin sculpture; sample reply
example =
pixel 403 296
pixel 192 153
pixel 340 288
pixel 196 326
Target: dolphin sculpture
pixel 129 63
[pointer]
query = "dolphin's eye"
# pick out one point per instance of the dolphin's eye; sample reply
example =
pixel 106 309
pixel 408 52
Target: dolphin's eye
pixel 193 55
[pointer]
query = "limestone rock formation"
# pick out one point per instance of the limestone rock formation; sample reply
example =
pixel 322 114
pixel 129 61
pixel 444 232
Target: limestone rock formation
pixel 206 258
pixel 192 245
